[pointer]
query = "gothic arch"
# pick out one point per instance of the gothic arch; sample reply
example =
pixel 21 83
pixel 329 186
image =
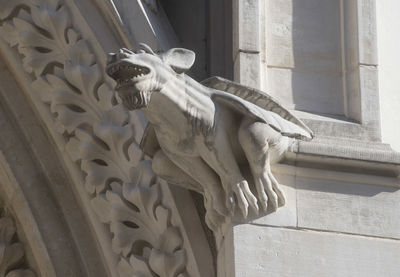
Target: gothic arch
pixel 82 194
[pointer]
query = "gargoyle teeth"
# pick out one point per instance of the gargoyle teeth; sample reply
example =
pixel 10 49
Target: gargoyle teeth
pixel 121 72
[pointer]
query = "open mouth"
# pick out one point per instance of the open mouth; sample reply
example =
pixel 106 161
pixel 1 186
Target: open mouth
pixel 126 73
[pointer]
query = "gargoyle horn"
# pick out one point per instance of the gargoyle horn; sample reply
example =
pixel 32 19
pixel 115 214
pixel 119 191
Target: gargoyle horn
pixel 146 48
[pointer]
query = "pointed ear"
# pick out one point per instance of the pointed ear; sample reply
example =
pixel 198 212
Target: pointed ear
pixel 179 59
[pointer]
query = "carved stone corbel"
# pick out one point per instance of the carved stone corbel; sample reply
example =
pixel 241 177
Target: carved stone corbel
pixel 204 138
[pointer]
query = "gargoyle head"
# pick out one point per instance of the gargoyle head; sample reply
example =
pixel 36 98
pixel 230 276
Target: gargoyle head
pixel 140 73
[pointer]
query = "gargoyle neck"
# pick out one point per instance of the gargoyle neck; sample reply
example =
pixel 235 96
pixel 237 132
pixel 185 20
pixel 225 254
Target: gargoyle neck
pixel 176 97
pixel 170 97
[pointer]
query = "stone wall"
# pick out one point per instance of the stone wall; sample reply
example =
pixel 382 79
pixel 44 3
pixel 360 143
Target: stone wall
pixel 388 23
pixel 328 228
pixel 342 218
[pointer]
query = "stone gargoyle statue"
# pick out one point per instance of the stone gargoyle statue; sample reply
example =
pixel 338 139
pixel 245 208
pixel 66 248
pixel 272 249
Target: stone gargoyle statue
pixel 206 139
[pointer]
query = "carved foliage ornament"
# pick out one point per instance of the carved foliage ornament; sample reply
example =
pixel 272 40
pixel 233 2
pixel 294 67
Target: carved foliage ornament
pixel 11 251
pixel 101 136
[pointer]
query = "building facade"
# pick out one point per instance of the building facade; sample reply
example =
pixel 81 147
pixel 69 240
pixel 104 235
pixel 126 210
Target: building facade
pixel 78 196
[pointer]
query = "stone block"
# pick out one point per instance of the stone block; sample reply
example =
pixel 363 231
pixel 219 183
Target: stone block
pixel 367 32
pixel 370 98
pixel 304 34
pixel 350 208
pixel 317 92
pixel 246 69
pixel 279 27
pixel 278 252
pixel 286 215
pixel 246 26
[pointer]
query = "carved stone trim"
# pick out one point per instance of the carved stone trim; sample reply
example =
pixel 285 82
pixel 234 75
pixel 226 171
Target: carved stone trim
pixel 98 133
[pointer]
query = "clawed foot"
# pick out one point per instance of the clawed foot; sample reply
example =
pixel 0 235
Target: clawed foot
pixel 268 189
pixel 244 197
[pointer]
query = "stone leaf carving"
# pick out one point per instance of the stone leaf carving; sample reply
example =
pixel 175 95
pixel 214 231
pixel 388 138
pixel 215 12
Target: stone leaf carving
pixel 11 251
pixel 67 76
pixel 101 136
pixel 140 224
pixel 203 134
pixel 110 152
pixel 43 48
pixel 7 7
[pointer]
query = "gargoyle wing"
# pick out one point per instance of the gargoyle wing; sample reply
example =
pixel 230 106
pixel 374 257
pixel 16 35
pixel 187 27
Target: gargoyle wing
pixel 261 106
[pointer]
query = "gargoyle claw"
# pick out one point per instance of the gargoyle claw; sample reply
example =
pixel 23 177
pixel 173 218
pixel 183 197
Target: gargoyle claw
pixel 268 189
pixel 245 198
pixel 278 191
pixel 230 203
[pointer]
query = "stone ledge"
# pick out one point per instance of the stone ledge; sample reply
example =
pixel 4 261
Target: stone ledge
pixel 368 158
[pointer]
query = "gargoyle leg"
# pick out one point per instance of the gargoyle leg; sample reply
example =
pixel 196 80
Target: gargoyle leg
pixel 171 173
pixel 255 139
pixel 179 170
pixel 219 156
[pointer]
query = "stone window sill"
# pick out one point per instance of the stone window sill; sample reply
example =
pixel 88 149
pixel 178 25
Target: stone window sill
pixel 347 156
